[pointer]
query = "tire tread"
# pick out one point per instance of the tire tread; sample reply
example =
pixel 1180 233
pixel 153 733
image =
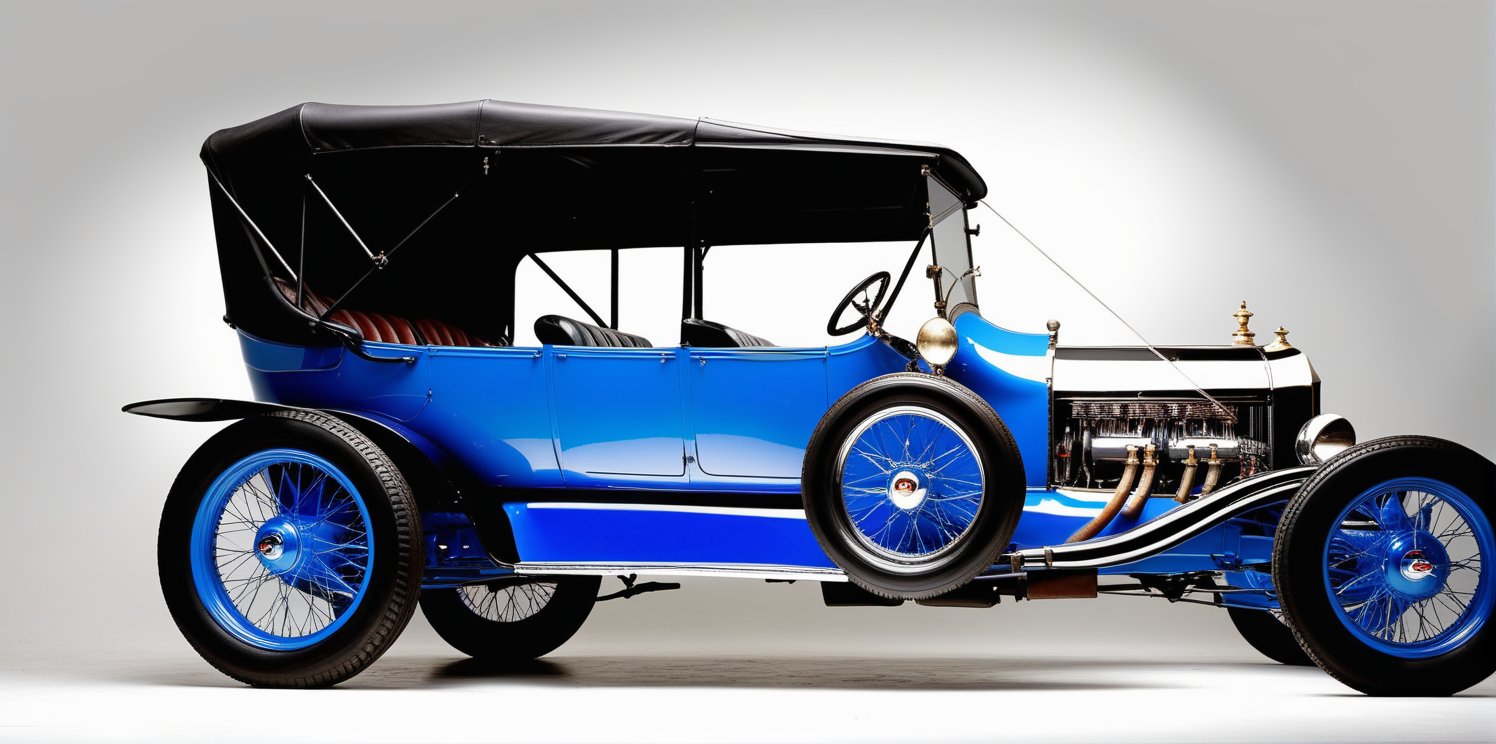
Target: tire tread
pixel 402 600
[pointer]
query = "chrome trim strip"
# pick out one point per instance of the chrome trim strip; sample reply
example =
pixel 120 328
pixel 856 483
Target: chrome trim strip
pixel 1169 529
pixel 726 511
pixel 1093 375
pixel 712 570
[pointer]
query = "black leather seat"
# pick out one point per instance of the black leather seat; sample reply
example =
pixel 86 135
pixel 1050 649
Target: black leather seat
pixel 708 335
pixel 562 331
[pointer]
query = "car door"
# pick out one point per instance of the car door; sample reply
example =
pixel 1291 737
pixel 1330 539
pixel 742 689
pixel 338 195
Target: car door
pixel 753 410
pixel 617 414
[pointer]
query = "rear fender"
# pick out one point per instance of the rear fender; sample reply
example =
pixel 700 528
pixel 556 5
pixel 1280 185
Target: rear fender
pixel 438 484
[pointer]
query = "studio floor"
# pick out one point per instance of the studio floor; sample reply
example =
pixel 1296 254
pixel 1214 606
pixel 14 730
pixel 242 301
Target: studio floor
pixel 421 692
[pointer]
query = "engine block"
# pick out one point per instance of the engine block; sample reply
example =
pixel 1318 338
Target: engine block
pixel 1094 437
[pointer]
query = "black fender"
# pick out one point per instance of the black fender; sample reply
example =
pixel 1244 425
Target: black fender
pixel 204 409
pixel 437 483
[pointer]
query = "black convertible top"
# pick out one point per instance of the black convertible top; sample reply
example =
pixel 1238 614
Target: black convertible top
pixel 444 200
pixel 287 139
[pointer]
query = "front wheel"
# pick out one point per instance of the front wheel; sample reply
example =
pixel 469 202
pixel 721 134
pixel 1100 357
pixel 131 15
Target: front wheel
pixel 912 485
pixel 516 619
pixel 1264 630
pixel 1379 563
pixel 289 551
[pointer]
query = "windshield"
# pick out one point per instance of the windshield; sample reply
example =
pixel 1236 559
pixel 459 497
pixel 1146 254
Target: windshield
pixel 952 249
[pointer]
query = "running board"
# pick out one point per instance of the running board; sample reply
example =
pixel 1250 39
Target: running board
pixel 730 570
pixel 1169 529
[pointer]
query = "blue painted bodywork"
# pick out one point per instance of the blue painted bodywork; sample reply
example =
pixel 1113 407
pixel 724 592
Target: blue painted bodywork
pixel 1010 370
pixel 548 532
pixel 540 427
pixel 660 419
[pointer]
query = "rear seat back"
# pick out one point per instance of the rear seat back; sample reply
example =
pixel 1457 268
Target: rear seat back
pixel 559 330
pixel 383 327
pixel 377 327
pixel 445 334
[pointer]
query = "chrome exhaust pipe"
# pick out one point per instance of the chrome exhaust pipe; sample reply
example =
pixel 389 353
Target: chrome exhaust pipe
pixel 1145 485
pixel 1187 481
pixel 1108 512
pixel 1212 473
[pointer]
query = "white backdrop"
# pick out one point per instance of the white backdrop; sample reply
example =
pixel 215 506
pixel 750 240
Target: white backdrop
pixel 1329 162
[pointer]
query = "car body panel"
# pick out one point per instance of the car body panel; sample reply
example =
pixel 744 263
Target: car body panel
pixel 551 532
pixel 1010 370
pixel 726 537
pixel 618 415
pixel 589 417
pixel 752 410
pixel 695 422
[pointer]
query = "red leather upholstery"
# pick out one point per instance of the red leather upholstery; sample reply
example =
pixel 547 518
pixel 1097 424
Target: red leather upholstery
pixel 441 333
pixel 314 303
pixel 383 327
pixel 376 326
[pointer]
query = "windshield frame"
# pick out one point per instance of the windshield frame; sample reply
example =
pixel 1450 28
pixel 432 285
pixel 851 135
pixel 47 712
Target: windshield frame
pixel 950 249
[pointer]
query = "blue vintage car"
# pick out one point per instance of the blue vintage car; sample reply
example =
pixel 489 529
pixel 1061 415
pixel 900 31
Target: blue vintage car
pixel 402 450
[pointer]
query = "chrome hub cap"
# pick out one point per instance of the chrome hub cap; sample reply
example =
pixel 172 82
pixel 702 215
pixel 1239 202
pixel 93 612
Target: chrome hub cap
pixel 906 491
pixel 278 545
pixel 1417 565
pixel 271 546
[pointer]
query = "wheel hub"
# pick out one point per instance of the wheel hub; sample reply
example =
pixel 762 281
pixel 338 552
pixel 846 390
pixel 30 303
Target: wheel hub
pixel 907 490
pixel 1416 565
pixel 278 545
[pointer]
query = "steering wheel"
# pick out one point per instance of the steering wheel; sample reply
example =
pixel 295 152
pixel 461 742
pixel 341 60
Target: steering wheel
pixel 865 308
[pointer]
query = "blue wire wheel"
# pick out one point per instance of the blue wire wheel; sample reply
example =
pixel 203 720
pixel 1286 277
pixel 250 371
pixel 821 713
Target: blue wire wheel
pixel 1405 570
pixel 911 487
pixel 280 550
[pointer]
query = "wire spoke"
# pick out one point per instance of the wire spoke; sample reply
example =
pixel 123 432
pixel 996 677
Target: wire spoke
pixel 1406 567
pixel 290 595
pixel 509 602
pixel 913 523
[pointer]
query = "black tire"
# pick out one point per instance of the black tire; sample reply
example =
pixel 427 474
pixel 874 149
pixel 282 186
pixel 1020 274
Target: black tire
pixel 1298 567
pixel 394 533
pixel 476 620
pixel 995 519
pixel 1264 631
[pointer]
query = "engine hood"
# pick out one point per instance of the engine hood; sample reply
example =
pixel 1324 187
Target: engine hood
pixel 1126 370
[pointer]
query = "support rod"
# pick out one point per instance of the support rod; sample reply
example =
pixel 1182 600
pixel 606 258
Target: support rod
pixel 613 302
pixel 340 217
pixel 899 285
pixel 253 226
pixel 568 290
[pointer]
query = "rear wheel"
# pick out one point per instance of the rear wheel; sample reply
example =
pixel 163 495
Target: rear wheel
pixel 1380 567
pixel 511 620
pixel 289 551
